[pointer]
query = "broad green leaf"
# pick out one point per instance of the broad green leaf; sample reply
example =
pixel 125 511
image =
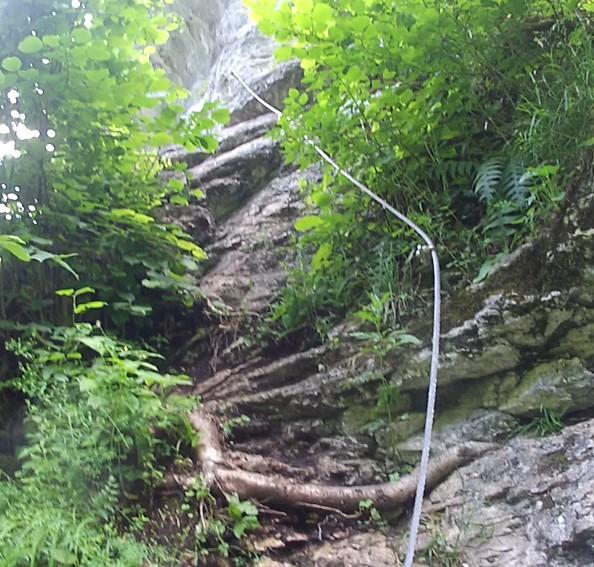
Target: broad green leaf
pixel 84 307
pixel 81 35
pixel 161 37
pixel 179 200
pixel 221 115
pixel 12 64
pixel 162 139
pixel 307 223
pixel 15 247
pixel 51 40
pixel 29 74
pixel 132 215
pixel 176 185
pixel 323 16
pixel 30 45
pixel 98 52
pixel 188 246
pixel 101 345
pixel 87 384
pixel 321 257
pixel 59 259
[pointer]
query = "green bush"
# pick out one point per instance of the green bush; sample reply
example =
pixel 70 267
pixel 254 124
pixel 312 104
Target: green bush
pixel 96 407
pixel 87 112
pixel 468 116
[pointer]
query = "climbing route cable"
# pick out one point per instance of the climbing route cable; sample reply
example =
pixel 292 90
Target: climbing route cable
pixel 432 392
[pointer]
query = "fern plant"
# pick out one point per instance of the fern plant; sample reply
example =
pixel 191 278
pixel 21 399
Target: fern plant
pixel 504 185
pixel 501 178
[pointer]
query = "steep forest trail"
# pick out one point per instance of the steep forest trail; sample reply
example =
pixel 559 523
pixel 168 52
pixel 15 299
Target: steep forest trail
pixel 518 342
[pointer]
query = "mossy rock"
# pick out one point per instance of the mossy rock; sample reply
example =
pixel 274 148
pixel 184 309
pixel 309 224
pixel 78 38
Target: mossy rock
pixel 561 385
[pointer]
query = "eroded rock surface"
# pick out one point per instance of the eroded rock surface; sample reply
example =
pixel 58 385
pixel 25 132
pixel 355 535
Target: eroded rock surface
pixel 520 342
pixel 252 249
pixel 529 503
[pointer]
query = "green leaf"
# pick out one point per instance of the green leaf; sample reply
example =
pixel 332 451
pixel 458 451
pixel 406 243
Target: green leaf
pixel 82 35
pixel 64 557
pixel 87 384
pixel 188 246
pixel 98 52
pixel 83 291
pixel 307 223
pixel 101 345
pixel 84 307
pixel 12 64
pixel 30 45
pixel 51 40
pixel 65 292
pixel 59 259
pixel 221 115
pixel 321 257
pixel 132 215
pixel 179 200
pixel 323 16
pixel 162 37
pixel 14 245
pixel 176 185
pixel 29 74
pixel 162 139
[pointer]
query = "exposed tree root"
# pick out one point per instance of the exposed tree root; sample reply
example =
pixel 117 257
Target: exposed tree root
pixel 279 490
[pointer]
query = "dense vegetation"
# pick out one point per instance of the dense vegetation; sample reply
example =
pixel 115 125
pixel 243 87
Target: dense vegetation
pixel 84 263
pixel 470 116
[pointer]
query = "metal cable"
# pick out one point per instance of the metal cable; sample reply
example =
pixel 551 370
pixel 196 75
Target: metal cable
pixel 432 392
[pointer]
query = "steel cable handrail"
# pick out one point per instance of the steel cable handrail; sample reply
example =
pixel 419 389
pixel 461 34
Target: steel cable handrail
pixel 432 392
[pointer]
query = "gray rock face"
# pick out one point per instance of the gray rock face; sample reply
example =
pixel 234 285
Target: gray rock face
pixel 252 246
pixel 230 178
pixel 528 504
pixel 193 49
pixel 220 38
pixel 193 219
pixel 216 38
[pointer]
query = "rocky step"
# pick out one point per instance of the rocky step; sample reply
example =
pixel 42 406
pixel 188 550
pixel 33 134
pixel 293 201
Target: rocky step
pixel 251 252
pixel 249 378
pixel 230 178
pixel 228 138
pixel 528 503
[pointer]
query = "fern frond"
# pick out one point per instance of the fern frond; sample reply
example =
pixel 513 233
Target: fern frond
pixel 502 220
pixel 487 178
pixel 454 169
pixel 516 182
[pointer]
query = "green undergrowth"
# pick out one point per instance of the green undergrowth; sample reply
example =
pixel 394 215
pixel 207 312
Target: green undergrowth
pixel 102 420
pixel 547 422
pixel 83 113
pixel 471 117
pixel 90 274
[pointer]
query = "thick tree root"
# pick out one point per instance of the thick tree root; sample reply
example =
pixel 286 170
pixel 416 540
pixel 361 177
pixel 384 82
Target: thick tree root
pixel 278 490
